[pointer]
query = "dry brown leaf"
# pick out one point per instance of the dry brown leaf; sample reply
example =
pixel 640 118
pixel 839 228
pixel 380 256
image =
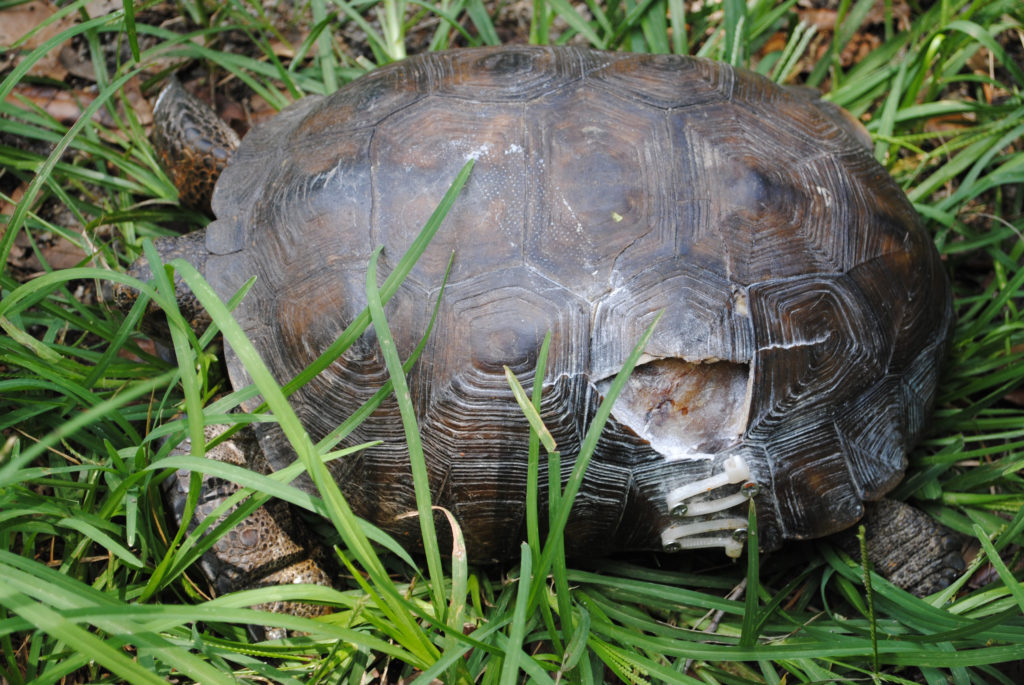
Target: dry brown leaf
pixel 948 122
pixel 824 20
pixel 66 106
pixel 59 253
pixel 16 22
pixel 101 8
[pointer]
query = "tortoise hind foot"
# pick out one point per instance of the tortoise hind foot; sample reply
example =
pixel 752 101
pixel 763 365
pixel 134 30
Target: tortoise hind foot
pixel 267 548
pixel 908 547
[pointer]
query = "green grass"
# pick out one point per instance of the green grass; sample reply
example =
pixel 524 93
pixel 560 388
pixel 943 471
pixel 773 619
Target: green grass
pixel 94 585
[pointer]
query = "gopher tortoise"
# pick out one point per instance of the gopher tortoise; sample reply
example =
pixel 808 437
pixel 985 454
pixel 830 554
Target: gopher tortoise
pixel 805 310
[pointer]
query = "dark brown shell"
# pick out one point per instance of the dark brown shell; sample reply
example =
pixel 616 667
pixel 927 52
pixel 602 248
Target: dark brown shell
pixel 792 271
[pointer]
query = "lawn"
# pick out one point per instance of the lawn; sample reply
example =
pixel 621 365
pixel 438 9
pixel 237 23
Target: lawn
pixel 96 586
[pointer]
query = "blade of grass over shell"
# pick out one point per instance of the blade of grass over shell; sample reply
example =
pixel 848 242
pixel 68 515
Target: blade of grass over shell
pixel 561 516
pixel 420 477
pixel 530 410
pixel 449 613
pixel 338 510
pixel 533 455
pixel 654 27
pixel 390 285
pixel 751 615
pixel 368 407
pixel 539 433
pixel 537 429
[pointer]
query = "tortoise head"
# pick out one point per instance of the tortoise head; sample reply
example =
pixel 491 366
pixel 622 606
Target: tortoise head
pixel 192 144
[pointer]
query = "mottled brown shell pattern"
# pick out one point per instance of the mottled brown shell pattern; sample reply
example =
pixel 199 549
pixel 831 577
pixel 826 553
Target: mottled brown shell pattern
pixel 791 270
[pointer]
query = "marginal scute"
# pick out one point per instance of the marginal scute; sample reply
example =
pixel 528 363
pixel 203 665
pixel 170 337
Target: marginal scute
pixel 810 479
pixel 871 432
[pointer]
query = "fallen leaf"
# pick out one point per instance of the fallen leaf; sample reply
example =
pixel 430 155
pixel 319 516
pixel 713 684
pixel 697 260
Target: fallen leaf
pixel 18 21
pixel 66 106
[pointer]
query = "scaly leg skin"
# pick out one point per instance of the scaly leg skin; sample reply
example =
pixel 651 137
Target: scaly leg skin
pixel 267 548
pixel 908 547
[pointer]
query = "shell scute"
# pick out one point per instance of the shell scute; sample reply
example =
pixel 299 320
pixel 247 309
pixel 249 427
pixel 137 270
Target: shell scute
pixel 411 173
pixel 602 190
pixel 812 486
pixel 705 317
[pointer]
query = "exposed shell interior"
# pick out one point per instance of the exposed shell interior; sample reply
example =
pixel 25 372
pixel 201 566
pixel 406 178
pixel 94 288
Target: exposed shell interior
pixel 694 410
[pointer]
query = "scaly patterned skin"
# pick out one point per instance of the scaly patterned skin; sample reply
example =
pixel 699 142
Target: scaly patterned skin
pixel 193 144
pixel 191 248
pixel 908 547
pixel 268 548
pixel 607 187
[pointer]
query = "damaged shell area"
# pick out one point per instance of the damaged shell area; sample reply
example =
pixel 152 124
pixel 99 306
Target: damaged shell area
pixel 803 308
pixel 693 411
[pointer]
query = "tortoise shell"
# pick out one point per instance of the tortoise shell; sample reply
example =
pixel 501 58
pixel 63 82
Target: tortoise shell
pixel 805 309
